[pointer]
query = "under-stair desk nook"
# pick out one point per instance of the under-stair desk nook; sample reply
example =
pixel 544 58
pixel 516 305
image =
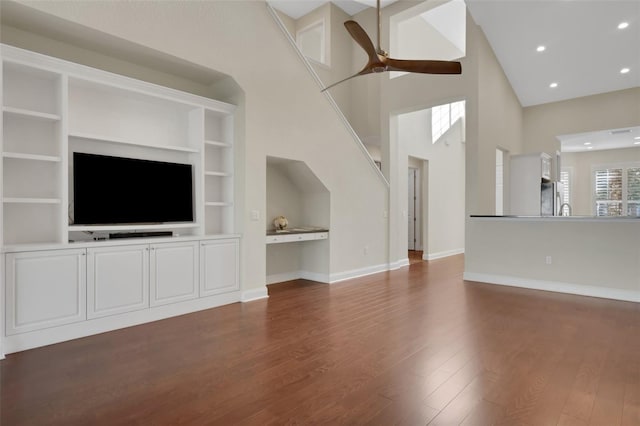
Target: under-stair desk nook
pixel 320 212
pixel 299 249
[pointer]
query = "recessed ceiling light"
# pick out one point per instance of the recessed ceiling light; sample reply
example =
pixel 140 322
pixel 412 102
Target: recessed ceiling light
pixel 637 138
pixel 624 70
pixel 637 143
pixel 540 48
pixel 623 25
pixel 589 147
pixel 553 85
pixel 587 143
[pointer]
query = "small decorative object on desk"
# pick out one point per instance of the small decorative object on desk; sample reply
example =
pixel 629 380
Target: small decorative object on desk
pixel 280 223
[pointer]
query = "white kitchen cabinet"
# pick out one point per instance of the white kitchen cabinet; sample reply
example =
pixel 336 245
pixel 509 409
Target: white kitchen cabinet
pixel 173 272
pixel 117 280
pixel 219 266
pixel 44 289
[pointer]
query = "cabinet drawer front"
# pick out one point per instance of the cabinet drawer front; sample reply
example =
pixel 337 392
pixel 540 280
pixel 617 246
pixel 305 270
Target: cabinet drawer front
pixel 219 265
pixel 117 280
pixel 45 289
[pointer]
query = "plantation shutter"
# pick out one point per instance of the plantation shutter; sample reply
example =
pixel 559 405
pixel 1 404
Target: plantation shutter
pixel 633 191
pixel 608 190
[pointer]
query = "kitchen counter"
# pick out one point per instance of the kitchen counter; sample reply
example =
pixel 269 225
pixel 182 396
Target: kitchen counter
pixel 586 255
pixel 562 218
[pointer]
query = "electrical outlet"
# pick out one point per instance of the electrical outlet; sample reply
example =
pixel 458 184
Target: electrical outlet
pixel 548 260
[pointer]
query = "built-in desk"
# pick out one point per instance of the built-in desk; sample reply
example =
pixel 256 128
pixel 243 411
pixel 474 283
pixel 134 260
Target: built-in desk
pixel 297 234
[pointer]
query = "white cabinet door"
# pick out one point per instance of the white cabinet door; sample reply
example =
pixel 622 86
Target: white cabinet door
pixel 174 272
pixel 117 280
pixel 219 267
pixel 45 289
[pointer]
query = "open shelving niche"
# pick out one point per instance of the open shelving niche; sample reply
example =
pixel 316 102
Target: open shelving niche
pixel 52 108
pixel 33 129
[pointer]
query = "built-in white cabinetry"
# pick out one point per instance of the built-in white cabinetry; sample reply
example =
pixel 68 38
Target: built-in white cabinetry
pixel 218 171
pixel 44 289
pixel 220 268
pixel 33 130
pixel 57 294
pixel 117 280
pixel 53 108
pixel 174 272
pixel 60 280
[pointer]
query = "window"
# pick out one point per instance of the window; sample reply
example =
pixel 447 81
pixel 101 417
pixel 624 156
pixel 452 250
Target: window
pixel 443 117
pixel 565 179
pixel 617 191
pixel 633 191
pixel 311 42
pixel 429 30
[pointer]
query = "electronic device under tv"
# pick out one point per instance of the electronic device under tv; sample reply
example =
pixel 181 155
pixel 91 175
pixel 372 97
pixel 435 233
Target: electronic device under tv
pixel 117 190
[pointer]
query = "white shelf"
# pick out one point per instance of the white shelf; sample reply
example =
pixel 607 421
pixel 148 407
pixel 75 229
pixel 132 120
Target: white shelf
pixel 34 157
pixel 128 142
pixel 222 174
pixel 21 200
pixel 296 237
pixel 217 204
pixel 218 144
pixel 32 114
pixel 132 227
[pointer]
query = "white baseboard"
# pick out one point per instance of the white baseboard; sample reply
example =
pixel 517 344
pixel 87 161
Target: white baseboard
pixel 442 254
pixel 355 273
pixel 297 275
pixel 338 276
pixel 399 264
pixel 558 287
pixel 285 276
pixel 314 276
pixel 254 294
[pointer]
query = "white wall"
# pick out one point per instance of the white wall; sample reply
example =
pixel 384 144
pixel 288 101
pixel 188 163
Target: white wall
pixel 494 118
pixel 285 114
pixel 338 49
pixel 544 123
pixel 283 198
pixel 445 180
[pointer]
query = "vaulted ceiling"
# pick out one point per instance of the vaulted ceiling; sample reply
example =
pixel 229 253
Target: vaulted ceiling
pixel 584 50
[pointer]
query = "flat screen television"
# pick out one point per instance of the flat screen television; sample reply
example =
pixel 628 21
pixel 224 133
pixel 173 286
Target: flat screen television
pixel 118 190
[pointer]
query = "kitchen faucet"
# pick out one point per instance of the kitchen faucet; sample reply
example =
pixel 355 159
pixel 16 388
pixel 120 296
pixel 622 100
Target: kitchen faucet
pixel 562 209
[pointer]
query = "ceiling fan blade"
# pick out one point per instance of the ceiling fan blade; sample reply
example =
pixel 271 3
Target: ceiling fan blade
pixel 424 66
pixel 367 70
pixel 361 37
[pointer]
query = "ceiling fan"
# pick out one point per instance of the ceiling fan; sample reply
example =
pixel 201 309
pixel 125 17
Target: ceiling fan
pixel 379 60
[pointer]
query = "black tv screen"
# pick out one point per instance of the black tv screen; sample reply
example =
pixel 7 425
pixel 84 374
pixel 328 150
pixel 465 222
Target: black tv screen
pixel 117 190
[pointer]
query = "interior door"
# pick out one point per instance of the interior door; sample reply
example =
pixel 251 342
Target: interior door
pixel 411 209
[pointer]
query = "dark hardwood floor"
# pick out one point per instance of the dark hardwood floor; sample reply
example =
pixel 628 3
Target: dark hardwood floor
pixel 415 346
